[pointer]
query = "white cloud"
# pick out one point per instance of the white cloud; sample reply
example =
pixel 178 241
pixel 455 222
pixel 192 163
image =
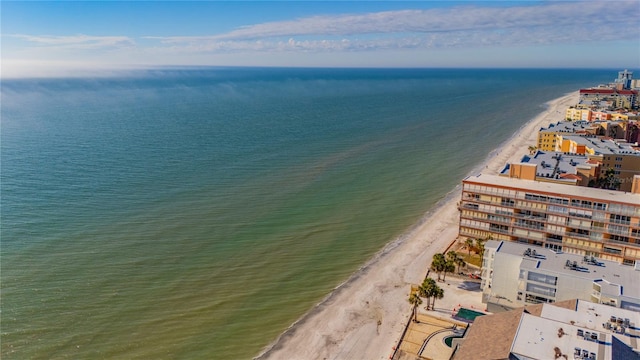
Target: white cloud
pixel 554 21
pixel 419 36
pixel 79 41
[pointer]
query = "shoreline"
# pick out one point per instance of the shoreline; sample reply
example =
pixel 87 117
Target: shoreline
pixel 364 316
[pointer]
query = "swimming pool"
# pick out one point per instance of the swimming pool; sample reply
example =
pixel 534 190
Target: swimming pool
pixel 468 315
pixel 449 339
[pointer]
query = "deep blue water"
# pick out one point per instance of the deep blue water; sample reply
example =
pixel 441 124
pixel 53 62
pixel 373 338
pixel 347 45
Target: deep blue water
pixel 199 212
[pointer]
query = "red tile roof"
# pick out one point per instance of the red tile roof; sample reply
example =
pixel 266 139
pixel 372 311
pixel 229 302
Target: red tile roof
pixel 597 91
pixel 608 91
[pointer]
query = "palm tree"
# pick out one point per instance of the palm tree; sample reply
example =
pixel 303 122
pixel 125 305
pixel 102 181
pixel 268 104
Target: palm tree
pixel 415 301
pixel 437 293
pixel 449 266
pixel 426 289
pixel 480 246
pixel 532 149
pixel 455 259
pixel 438 264
pixel 460 263
pixel 452 255
pixel 469 244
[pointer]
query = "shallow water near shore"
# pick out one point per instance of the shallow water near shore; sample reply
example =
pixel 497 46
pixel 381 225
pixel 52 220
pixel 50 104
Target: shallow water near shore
pixel 198 213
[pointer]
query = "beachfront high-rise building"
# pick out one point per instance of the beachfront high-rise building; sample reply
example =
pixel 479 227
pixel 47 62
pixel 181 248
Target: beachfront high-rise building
pixel 585 221
pixel 514 275
pixel 624 78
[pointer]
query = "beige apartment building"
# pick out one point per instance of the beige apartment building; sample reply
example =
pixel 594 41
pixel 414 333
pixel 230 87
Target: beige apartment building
pixel 573 219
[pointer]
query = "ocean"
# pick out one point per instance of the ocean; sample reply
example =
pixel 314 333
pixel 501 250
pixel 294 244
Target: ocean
pixel 197 213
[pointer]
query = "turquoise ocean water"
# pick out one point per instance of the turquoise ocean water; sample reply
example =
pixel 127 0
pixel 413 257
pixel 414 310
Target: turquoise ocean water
pixel 197 213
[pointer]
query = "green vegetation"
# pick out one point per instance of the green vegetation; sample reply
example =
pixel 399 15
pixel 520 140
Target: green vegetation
pixel 415 301
pixel 477 246
pixel 474 259
pixel 442 265
pixel 430 290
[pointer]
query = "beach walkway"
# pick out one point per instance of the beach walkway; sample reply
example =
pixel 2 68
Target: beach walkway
pixel 437 324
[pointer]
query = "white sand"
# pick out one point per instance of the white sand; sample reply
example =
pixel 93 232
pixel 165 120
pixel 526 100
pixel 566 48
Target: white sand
pixel 365 317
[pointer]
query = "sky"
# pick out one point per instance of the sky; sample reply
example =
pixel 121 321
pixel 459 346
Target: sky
pixel 59 38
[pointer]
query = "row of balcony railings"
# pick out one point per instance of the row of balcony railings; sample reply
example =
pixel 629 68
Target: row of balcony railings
pixel 594 232
pixel 611 208
pixel 551 209
pixel 566 236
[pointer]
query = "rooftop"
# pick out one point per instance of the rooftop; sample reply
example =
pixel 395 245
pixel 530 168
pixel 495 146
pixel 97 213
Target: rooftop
pixel 603 146
pixel 615 279
pixel 491 336
pixel 560 189
pixel 551 163
pixel 567 330
pixel 568 127
pixel 607 91
pixel 548 331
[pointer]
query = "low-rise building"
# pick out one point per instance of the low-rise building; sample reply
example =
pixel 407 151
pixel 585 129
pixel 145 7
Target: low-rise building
pixel 548 137
pixel 572 329
pixel 620 98
pixel 514 275
pixel 555 167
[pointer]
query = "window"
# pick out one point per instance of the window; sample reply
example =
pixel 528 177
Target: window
pixel 599 206
pixel 542 278
pixel 533 299
pixel 507 202
pixel 557 209
pixel 581 203
pixel 553 247
pixel 612 250
pixel 620 219
pixel 541 290
pixel 619 238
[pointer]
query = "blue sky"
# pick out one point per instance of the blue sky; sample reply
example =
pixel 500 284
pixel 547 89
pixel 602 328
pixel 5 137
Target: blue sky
pixel 62 38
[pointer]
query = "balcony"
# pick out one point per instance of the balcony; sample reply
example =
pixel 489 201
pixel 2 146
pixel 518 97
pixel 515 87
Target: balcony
pixel 501 231
pixel 621 222
pixel 623 232
pixel 553 240
pixel 529 226
pixel 578 235
pixel 486 219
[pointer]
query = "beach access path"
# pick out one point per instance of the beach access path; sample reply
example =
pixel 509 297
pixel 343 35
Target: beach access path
pixel 365 317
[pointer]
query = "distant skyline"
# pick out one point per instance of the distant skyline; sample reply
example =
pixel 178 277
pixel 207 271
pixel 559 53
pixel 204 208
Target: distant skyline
pixel 74 38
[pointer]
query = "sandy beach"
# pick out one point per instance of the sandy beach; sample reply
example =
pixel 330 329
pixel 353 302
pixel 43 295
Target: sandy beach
pixel 364 317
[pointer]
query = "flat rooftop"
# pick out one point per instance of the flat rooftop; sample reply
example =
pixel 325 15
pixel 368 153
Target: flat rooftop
pixel 560 189
pixel 568 127
pixel 603 146
pixel 616 278
pixel 563 330
pixel 550 163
